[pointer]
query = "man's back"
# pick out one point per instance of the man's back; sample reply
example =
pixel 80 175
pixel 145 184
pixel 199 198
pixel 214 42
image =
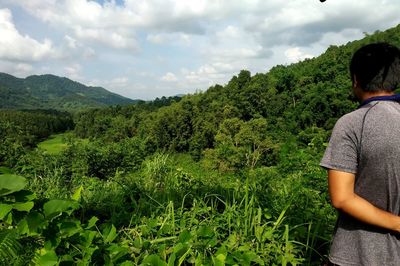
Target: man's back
pixel 366 142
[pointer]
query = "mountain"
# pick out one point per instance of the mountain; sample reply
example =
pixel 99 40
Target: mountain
pixel 53 92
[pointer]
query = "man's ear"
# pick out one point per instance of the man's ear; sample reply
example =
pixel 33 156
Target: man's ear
pixel 355 81
pixel 357 91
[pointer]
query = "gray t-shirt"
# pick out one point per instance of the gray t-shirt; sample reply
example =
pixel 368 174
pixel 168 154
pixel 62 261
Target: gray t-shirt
pixel 366 142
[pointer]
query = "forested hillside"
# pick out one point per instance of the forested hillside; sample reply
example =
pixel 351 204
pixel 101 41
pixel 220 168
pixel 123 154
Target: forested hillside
pixel 52 92
pixel 229 176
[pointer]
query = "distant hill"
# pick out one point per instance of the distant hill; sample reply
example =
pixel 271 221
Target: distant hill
pixel 53 92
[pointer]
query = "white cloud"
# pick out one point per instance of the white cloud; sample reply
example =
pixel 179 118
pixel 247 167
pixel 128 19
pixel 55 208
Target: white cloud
pixel 71 42
pixel 89 53
pixel 295 54
pixel 231 32
pixel 241 53
pixel 15 46
pixel 156 38
pixel 207 75
pixel 115 25
pixel 74 72
pixel 119 82
pixel 304 22
pixel 114 39
pixel 169 38
pixel 106 24
pixel 337 38
pixel 124 86
pixel 235 45
pixel 17 69
pixel 23 68
pixel 169 77
pixel 195 43
pixel 72 48
pixel 275 21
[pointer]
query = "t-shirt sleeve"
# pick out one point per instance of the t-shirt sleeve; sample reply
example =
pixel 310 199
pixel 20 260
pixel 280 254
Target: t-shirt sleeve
pixel 341 153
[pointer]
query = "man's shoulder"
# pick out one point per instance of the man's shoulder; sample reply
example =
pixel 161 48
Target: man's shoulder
pixel 373 109
pixel 352 119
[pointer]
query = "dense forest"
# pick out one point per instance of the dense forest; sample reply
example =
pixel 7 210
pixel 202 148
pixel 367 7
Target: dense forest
pixel 229 176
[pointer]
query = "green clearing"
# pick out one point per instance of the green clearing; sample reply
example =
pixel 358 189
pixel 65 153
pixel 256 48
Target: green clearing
pixel 55 144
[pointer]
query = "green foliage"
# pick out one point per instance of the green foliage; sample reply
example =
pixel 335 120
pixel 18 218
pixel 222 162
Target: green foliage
pixel 11 183
pixel 22 130
pixel 213 235
pixel 212 238
pixel 10 247
pixel 311 93
pixel 49 91
pixel 241 145
pixel 5 170
pixel 62 237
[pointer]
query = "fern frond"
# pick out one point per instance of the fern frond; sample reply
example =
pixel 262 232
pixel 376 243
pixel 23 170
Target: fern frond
pixel 9 246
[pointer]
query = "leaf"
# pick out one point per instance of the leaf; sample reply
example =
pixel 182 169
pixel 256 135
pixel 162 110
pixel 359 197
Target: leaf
pixel 109 234
pixel 5 170
pixel 92 222
pixel 116 252
pixel 23 207
pixel 9 218
pixel 67 258
pixel 77 195
pixel 178 247
pixel 220 256
pixel 10 247
pixel 35 221
pixel 221 251
pixel 153 260
pixel 251 256
pixel 171 260
pixel 50 244
pixel 88 254
pixel 4 210
pixel 69 228
pixel 53 208
pixel 127 263
pixel 182 259
pixel 205 231
pixel 244 247
pixel 232 241
pixel 24 195
pixel 23 227
pixel 48 259
pixel 185 236
pixel 11 183
pixel 87 238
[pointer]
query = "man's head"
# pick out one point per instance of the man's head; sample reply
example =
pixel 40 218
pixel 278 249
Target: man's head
pixel 376 68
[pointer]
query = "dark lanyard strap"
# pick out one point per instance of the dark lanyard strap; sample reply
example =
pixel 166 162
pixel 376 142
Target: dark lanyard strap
pixel 395 98
pixel 359 148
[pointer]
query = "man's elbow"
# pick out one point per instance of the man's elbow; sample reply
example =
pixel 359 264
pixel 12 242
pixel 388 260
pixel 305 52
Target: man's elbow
pixel 339 202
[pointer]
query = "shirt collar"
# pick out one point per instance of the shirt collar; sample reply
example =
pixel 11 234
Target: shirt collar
pixel 395 98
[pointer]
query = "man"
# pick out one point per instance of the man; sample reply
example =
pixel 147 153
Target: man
pixel 363 162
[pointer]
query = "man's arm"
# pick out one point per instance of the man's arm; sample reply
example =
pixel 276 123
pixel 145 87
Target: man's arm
pixel 341 190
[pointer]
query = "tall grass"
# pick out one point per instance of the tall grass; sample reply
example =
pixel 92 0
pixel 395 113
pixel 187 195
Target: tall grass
pixel 174 211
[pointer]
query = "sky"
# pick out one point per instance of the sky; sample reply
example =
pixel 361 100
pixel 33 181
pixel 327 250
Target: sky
pixel 143 49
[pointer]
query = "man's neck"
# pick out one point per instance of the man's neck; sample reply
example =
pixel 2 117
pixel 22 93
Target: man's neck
pixel 367 95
